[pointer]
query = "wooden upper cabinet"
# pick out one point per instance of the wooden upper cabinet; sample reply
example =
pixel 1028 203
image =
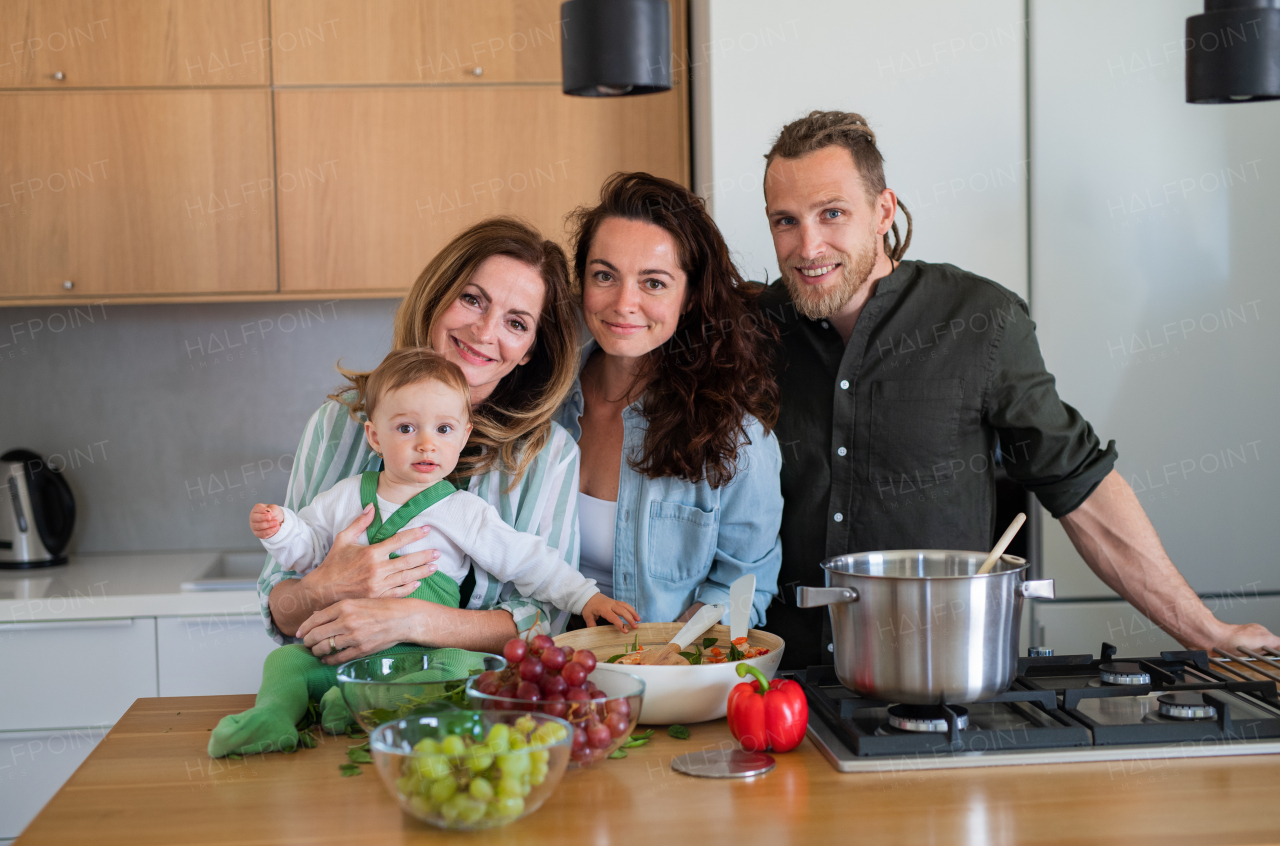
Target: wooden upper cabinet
pixel 415 41
pixel 114 43
pixel 374 181
pixel 136 193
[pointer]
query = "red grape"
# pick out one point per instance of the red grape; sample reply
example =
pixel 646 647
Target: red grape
pixel 553 658
pixel 617 724
pixel 555 705
pixel 540 643
pixel 568 653
pixel 515 650
pixel 620 706
pixel 489 686
pixel 529 691
pixel 507 691
pixel 554 684
pixel 574 674
pixel 582 756
pixel 579 738
pixel 576 694
pixel 531 668
pixel 598 736
pixel 586 658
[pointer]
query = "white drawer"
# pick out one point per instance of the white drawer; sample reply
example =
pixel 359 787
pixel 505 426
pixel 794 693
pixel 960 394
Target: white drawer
pixel 210 656
pixel 33 765
pixel 75 672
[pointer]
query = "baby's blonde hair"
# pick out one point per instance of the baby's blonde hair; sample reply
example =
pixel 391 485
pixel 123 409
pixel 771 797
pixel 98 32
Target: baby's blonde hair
pixel 407 366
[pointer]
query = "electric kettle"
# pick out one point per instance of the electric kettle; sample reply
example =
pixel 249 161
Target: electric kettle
pixel 37 512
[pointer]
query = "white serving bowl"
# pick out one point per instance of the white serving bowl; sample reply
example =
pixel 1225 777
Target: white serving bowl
pixel 679 694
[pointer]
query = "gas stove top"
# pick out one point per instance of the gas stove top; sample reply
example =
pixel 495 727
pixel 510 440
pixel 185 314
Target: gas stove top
pixel 1059 709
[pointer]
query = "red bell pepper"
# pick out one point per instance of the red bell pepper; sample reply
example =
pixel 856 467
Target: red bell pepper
pixel 764 714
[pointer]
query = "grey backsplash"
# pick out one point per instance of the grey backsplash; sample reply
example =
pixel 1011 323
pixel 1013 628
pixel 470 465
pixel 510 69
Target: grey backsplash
pixel 171 421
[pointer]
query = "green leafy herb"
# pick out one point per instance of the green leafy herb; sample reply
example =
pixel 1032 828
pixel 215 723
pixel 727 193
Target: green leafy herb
pixel 735 654
pixel 678 732
pixel 613 659
pixel 307 739
pixel 236 756
pixel 638 739
pixel 708 642
pixel 359 755
pixel 619 753
pixel 349 770
pixel 644 735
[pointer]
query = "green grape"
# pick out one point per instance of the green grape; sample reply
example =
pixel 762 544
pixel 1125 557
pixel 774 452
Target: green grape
pixel 444 789
pixel 513 764
pixel 432 766
pixel 525 724
pixel 538 774
pixel 499 738
pixel 510 788
pixel 453 745
pixel 525 785
pixel 539 756
pixel 547 734
pixel 450 809
pixel 481 789
pixel 426 746
pixel 470 810
pixel 419 805
pixel 479 760
pixel 518 742
pixel 508 807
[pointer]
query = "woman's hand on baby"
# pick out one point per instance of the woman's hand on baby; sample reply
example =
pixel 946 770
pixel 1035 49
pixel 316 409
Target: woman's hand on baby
pixel 612 610
pixel 265 520
pixel 353 570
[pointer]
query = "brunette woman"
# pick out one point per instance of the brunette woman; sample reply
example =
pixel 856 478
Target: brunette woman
pixel 673 409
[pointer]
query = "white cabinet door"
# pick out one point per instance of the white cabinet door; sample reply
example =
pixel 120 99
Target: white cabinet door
pixel 209 656
pixel 74 672
pixel 33 765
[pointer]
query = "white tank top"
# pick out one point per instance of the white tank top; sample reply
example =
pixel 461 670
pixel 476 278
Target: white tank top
pixel 596 521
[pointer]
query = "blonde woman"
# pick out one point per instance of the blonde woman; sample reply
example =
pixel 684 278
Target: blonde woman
pixel 495 301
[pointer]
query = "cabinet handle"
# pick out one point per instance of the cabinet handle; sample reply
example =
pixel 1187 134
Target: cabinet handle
pixel 477 71
pixel 66 624
pixel 67 285
pixel 59 75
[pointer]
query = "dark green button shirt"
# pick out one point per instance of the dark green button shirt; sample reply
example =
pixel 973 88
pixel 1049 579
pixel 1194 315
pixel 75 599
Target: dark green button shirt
pixel 891 441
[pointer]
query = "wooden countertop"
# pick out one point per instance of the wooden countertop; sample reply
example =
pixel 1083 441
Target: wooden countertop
pixel 151 782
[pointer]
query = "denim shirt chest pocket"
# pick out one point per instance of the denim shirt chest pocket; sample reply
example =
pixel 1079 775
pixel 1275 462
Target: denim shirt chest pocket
pixel 682 541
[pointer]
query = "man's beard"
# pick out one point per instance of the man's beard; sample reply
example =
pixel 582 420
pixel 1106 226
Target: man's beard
pixel 820 303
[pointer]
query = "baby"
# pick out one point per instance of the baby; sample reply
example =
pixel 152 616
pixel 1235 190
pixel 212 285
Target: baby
pixel 419 412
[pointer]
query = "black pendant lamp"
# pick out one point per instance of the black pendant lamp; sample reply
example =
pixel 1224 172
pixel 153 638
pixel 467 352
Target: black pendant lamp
pixel 612 48
pixel 1233 52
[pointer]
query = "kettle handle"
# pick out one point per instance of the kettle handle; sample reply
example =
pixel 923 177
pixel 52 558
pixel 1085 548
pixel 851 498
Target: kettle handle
pixel 816 597
pixel 1039 588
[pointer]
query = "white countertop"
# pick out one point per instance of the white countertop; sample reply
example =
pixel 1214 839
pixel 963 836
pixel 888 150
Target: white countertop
pixel 137 584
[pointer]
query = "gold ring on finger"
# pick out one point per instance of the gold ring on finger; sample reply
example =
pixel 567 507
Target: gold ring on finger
pixel 333 646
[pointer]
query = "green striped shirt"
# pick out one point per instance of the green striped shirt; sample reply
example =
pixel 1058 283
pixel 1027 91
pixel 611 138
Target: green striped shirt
pixel 545 503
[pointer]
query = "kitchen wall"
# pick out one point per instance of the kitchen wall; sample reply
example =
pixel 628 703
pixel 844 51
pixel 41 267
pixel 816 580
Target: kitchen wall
pixel 171 421
pixel 941 82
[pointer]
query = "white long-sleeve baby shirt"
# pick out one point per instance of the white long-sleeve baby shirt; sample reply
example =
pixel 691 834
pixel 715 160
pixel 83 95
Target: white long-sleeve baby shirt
pixel 464 528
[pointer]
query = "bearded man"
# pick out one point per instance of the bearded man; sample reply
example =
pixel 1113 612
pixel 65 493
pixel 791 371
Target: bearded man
pixel 904 383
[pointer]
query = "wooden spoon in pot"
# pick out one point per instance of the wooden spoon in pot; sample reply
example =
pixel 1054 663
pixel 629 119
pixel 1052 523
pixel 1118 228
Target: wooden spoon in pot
pixel 1002 544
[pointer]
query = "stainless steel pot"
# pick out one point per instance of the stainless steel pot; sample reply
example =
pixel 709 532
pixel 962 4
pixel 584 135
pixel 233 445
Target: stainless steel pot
pixel 918 626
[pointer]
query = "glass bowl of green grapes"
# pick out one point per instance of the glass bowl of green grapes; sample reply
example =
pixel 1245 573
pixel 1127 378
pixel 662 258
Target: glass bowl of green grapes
pixel 469 770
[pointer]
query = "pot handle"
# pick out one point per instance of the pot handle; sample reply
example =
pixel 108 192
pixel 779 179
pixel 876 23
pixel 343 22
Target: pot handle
pixel 1039 588
pixel 816 597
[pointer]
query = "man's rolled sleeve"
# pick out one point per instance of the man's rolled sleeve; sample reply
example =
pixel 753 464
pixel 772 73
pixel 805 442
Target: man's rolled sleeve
pixel 1045 444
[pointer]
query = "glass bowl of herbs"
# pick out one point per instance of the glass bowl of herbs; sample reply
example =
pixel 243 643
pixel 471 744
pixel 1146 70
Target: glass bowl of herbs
pixel 379 689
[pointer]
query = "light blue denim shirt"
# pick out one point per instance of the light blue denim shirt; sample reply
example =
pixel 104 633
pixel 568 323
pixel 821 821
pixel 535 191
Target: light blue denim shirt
pixel 678 542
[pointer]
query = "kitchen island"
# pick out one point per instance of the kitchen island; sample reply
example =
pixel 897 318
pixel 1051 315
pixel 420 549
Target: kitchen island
pixel 151 782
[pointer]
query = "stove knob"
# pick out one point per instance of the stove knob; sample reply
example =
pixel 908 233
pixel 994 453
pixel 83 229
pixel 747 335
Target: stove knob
pixel 1039 652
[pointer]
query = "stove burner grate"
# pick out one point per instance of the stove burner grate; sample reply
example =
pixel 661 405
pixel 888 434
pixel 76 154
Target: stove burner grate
pixel 926 718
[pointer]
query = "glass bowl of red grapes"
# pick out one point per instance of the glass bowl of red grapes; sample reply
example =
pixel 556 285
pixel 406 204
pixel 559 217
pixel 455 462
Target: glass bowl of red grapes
pixel 562 682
